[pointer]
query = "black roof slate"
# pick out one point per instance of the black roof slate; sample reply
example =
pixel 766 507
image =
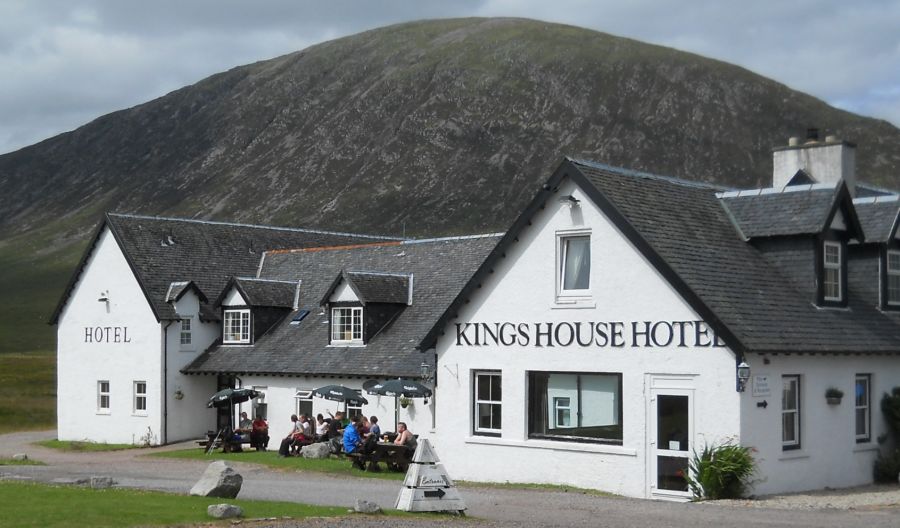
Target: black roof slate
pixel 264 292
pixel 878 217
pixel 161 251
pixel 377 287
pixel 439 267
pixel 794 211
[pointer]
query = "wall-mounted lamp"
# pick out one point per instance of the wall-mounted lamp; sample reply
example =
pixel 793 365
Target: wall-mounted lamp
pixel 104 296
pixel 743 376
pixel 569 200
pixel 426 372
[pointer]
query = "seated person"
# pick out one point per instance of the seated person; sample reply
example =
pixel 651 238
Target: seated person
pixel 405 438
pixel 321 428
pixel 259 433
pixel 374 428
pixel 354 443
pixel 287 441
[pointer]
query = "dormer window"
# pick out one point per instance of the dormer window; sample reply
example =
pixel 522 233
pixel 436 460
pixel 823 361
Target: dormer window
pixel 832 272
pixel 236 326
pixel 346 325
pixel 893 278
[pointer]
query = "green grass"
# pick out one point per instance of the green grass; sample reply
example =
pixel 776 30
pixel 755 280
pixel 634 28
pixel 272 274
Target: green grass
pixel 75 447
pixel 39 505
pixel 27 462
pixel 27 391
pixel 334 466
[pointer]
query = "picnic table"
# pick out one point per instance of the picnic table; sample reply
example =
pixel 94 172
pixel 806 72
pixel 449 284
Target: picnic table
pixel 395 457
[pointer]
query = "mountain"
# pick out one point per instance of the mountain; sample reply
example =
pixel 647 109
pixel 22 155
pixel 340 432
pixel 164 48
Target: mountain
pixel 433 127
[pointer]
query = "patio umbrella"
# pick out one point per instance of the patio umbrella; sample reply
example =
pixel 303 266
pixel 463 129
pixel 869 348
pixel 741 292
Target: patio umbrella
pixel 401 387
pixel 226 397
pixel 340 393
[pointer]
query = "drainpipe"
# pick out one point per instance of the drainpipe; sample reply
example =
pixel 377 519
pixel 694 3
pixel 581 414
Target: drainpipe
pixel 164 437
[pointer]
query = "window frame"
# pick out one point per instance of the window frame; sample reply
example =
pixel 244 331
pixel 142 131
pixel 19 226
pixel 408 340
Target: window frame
pixel 138 398
pixel 888 274
pixel 837 268
pixel 477 402
pixel 866 408
pixel 562 251
pixel 557 400
pixel 795 443
pixel 240 312
pixel 546 435
pixel 354 340
pixel 188 333
pixel 101 394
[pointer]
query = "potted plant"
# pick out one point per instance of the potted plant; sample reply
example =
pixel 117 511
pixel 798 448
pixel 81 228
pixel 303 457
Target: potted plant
pixel 833 396
pixel 404 402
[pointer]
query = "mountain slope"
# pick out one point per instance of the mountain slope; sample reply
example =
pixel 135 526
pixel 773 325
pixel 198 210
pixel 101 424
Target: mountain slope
pixel 422 128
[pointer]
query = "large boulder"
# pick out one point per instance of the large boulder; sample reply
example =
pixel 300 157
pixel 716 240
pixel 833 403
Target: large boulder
pixel 364 506
pixel 224 511
pixel 319 450
pixel 20 457
pixel 102 482
pixel 219 480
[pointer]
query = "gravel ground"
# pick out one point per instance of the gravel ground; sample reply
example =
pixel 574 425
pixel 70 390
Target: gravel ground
pixel 863 497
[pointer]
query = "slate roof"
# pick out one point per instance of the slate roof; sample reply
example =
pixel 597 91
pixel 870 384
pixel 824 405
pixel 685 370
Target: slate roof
pixel 373 287
pixel 440 268
pixel 685 231
pixel 264 292
pixel 802 209
pixel 161 251
pixel 878 217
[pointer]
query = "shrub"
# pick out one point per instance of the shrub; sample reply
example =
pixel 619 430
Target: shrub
pixel 720 471
pixel 890 408
pixel 887 467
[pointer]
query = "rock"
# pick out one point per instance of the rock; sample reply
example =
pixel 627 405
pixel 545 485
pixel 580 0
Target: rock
pixel 320 450
pixel 71 481
pixel 20 456
pixel 224 511
pixel 219 480
pixel 363 506
pixel 102 482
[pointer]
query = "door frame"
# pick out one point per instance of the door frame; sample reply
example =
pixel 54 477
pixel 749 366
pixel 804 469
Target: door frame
pixel 674 385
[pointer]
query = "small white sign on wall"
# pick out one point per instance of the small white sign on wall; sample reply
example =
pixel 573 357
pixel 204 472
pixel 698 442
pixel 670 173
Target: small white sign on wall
pixel 761 385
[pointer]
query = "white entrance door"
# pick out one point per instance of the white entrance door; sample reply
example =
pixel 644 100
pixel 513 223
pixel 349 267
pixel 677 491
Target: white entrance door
pixel 670 442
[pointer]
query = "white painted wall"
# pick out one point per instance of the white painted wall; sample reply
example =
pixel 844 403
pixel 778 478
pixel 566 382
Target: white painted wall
pixel 188 418
pixel 829 455
pixel 81 364
pixel 624 287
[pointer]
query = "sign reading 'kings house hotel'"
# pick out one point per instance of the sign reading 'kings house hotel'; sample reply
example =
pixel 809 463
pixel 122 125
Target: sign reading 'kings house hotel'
pixel 617 334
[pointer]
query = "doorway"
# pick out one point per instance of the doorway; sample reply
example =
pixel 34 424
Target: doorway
pixel 670 445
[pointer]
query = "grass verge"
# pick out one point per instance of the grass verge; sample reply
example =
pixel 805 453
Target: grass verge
pixel 30 504
pixel 27 391
pixel 75 447
pixel 26 462
pixel 542 487
pixel 334 466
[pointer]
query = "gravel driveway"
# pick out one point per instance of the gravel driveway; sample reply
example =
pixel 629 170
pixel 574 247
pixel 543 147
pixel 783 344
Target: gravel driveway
pixel 872 506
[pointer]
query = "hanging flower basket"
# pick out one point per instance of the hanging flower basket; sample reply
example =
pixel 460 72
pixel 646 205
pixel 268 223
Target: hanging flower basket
pixel 833 396
pixel 404 402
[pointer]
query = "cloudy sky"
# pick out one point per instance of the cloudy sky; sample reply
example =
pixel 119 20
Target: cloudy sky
pixel 66 62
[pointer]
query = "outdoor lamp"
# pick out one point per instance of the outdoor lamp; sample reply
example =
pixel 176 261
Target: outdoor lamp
pixel 743 375
pixel 569 200
pixel 425 372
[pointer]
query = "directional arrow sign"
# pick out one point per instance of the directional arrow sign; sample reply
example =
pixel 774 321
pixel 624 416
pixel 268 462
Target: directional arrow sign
pixel 436 493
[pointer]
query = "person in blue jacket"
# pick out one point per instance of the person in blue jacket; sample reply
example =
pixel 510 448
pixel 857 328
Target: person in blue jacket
pixel 352 440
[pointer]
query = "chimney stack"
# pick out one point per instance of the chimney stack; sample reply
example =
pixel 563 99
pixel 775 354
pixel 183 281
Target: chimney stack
pixel 826 161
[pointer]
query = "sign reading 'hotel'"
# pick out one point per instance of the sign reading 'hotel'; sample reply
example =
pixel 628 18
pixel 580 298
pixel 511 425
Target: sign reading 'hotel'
pixel 106 334
pixel 643 334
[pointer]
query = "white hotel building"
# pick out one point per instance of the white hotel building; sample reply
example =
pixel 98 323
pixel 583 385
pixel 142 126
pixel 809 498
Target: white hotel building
pixel 596 343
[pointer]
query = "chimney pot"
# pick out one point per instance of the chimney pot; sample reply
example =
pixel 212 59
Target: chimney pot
pixel 831 138
pixel 793 141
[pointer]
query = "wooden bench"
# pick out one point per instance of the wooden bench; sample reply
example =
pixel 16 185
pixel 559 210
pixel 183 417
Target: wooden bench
pixel 393 456
pixel 218 442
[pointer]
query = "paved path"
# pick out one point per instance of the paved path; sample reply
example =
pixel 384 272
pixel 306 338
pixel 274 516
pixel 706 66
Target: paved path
pixel 131 468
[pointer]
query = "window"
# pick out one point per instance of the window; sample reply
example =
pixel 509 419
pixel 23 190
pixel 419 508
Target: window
pixel 103 396
pixel 863 408
pixel 831 271
pixel 563 412
pixel 575 264
pixel 185 333
pixel 140 397
pixel 488 397
pixel 893 278
pixel 790 412
pixel 236 326
pixel 575 407
pixel 346 325
pixel 304 401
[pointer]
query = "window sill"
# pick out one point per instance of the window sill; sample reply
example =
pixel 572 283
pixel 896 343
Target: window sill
pixel 793 455
pixel 556 446
pixel 140 415
pixel 863 448
pixel 573 304
pixel 352 344
pixel 103 413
